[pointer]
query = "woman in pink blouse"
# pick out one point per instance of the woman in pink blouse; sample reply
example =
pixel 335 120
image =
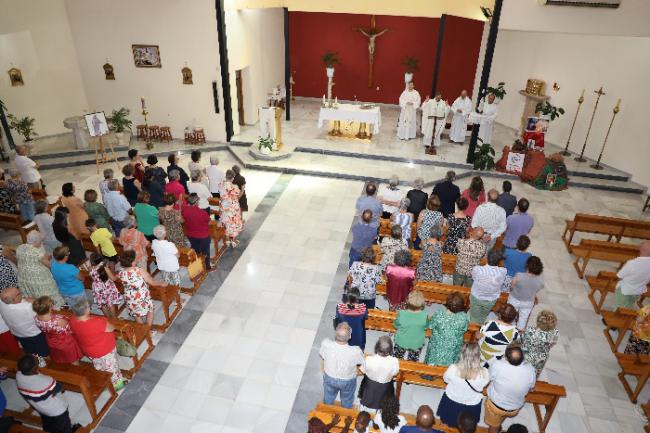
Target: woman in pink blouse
pixel 475 195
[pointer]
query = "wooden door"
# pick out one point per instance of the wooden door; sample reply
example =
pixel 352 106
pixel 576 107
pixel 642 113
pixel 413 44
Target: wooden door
pixel 240 97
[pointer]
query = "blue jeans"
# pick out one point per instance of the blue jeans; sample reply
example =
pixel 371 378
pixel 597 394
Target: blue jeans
pixel 355 256
pixel 117 227
pixel 202 246
pixel 71 300
pixel 332 387
pixel 27 211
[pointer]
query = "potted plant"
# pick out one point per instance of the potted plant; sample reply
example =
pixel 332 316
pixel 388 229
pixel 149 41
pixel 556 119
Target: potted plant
pixel 23 126
pixel 330 59
pixel 549 111
pixel 265 144
pixel 411 64
pixel 484 157
pixel 119 123
pixel 499 91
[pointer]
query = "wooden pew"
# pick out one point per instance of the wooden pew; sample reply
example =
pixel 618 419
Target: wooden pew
pixel 88 246
pixel 133 332
pixel 218 236
pixel 623 320
pixel 12 221
pixel 380 320
pixel 214 201
pixel 605 283
pixel 543 395
pixel 448 260
pixel 602 250
pixel 325 412
pixel 646 406
pixel 611 227
pixel 195 264
pixel 82 378
pixel 637 366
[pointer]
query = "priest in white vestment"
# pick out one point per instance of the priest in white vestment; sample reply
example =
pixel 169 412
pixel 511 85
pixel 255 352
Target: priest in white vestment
pixel 434 118
pixel 489 112
pixel 409 100
pixel 461 108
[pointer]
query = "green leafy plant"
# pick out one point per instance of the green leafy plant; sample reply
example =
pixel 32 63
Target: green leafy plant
pixel 330 59
pixel 24 126
pixel 499 91
pixel 411 64
pixel 119 121
pixel 265 142
pixel 484 157
pixel 547 109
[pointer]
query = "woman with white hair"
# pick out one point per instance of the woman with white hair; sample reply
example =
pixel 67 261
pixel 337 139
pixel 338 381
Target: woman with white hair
pixel 198 187
pixel 34 276
pixel 215 176
pixel 166 255
pixel 390 196
pixel 379 371
pixel 404 219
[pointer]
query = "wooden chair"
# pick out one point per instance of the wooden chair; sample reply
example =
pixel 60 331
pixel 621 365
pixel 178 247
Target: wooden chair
pixel 637 366
pixel 195 264
pixel 154 132
pixel 199 136
pixel 623 320
pixel 142 132
pixel 190 138
pixel 602 250
pixel 11 221
pixel 605 283
pixel 165 134
pixel 218 236
pixel 611 227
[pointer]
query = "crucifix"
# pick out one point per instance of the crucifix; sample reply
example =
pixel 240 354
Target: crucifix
pixel 372 33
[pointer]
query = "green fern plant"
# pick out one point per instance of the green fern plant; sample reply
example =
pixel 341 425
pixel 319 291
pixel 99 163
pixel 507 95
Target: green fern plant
pixel 484 157
pixel 499 91
pixel 547 109
pixel 119 121
pixel 24 126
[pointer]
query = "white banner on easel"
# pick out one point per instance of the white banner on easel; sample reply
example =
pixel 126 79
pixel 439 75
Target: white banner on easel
pixel 515 162
pixel 96 123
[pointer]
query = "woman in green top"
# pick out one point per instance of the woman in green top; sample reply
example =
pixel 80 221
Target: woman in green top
pixel 146 215
pixel 95 210
pixel 448 326
pixel 411 326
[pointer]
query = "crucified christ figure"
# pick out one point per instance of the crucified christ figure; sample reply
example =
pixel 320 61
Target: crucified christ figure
pixel 372 33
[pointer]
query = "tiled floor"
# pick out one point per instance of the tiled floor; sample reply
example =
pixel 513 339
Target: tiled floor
pixel 242 356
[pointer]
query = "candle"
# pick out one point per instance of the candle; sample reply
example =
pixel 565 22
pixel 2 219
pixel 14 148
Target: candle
pixel 144 105
pixel 336 100
pixel 323 99
pixel 618 103
pixel 582 95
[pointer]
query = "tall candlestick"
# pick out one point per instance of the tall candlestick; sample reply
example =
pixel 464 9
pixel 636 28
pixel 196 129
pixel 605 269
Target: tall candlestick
pixel 600 93
pixel 581 99
pixel 144 105
pixel 582 95
pixel 615 111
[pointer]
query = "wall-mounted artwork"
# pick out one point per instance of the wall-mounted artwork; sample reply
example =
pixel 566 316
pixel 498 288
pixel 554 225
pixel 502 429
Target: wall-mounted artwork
pixel 16 77
pixel 108 71
pixel 187 75
pixel 146 56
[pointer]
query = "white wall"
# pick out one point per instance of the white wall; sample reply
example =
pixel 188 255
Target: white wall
pixel 620 64
pixel 255 46
pixel 186 32
pixel 35 38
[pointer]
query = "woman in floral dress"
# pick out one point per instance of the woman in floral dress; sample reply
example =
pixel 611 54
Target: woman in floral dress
pixel 104 290
pixel 136 283
pixel 62 344
pixel 537 341
pixel 430 264
pixel 458 225
pixel 391 245
pixel 429 218
pixel 230 215
pixel 365 275
pixel 34 276
pixel 132 239
pixel 448 326
pixel 172 220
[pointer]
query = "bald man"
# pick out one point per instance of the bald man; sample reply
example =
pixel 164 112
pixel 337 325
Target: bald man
pixel 470 252
pixel 19 318
pixel 492 218
pixel 634 278
pixel 424 422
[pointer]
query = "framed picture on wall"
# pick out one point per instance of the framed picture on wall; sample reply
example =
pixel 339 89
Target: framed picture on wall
pixel 146 56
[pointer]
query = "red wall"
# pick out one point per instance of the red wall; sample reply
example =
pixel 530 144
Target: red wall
pixel 312 34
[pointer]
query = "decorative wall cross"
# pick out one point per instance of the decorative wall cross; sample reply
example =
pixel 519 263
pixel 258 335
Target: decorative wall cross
pixel 372 33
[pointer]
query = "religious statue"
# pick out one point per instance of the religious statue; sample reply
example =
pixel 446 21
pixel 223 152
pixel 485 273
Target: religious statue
pixel 16 77
pixel 372 33
pixel 187 75
pixel 108 71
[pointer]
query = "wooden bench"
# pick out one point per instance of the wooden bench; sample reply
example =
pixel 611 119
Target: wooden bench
pixel 82 378
pixel 13 221
pixel 195 264
pixel 646 412
pixel 380 320
pixel 542 395
pixel 602 250
pixel 385 226
pixel 613 228
pixel 637 366
pixel 605 283
pixel 448 260
pixel 218 236
pixel 623 320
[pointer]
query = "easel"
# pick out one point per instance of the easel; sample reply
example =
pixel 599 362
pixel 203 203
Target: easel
pixel 100 151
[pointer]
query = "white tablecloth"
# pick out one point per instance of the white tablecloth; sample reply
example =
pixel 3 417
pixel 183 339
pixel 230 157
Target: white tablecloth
pixel 351 113
pixel 476 118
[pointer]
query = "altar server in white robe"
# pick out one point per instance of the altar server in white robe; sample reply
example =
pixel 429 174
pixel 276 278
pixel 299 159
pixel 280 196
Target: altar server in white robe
pixel 490 112
pixel 461 108
pixel 409 100
pixel 434 115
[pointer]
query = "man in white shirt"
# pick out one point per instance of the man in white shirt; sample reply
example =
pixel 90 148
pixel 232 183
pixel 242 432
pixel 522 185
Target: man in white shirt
pixel 19 318
pixel 461 108
pixel 492 218
pixel 434 118
pixel 215 176
pixel 634 278
pixel 487 282
pixel 511 378
pixel 339 363
pixel 28 168
pixel 166 255
pixel 198 187
pixel 390 196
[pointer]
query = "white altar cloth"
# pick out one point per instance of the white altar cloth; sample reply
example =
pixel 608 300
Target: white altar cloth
pixel 476 118
pixel 351 113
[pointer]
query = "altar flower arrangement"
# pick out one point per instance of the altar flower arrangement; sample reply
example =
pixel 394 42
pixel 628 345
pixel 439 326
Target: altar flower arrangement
pixel 548 110
pixel 330 59
pixel 265 144
pixel 411 64
pixel 499 91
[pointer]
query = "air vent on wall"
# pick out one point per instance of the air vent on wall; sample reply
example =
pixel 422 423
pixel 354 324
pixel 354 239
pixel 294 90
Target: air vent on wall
pixel 612 4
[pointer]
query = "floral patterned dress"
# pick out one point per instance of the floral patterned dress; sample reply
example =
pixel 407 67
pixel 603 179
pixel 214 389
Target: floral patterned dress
pixel 34 278
pixel 230 211
pixel 430 219
pixel 8 277
pixel 456 229
pixel 63 346
pixel 389 247
pixel 365 277
pixel 133 240
pixel 104 292
pixel 136 292
pixel 447 332
pixel 430 264
pixel 536 345
pixel 173 222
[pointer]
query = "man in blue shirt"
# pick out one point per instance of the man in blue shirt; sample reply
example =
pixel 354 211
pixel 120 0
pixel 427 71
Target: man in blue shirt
pixel 117 205
pixel 506 200
pixel 518 224
pixel 363 236
pixel 424 422
pixel 515 260
pixel 67 276
pixel 369 201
